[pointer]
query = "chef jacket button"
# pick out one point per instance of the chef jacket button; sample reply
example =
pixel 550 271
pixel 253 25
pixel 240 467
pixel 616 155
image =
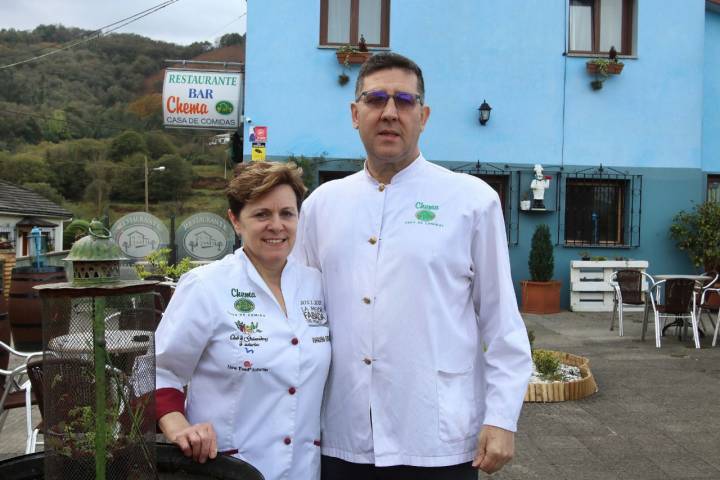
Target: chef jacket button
pixel 294 341
pixel 316 443
pixel 287 441
pixel 367 361
pixel 372 240
pixel 366 300
pixel 291 390
pixel 381 187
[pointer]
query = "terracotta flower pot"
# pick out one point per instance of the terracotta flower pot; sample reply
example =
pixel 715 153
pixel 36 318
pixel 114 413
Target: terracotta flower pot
pixel 540 297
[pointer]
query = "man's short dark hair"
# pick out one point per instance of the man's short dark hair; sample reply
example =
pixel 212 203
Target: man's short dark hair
pixel 387 60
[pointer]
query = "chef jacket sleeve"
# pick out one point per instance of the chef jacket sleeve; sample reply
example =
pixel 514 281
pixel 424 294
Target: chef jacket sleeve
pixel 507 358
pixel 184 332
pixel 305 249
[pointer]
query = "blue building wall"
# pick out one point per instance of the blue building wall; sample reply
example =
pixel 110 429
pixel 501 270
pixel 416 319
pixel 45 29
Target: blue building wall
pixel 648 120
pixel 711 88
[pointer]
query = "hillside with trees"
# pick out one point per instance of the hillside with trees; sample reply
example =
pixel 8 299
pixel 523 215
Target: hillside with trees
pixel 78 125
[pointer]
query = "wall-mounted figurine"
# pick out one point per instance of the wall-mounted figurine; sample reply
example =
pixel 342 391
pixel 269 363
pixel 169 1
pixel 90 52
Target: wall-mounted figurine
pixel 539 184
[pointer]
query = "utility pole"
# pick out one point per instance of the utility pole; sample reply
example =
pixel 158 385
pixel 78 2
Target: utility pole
pixel 147 208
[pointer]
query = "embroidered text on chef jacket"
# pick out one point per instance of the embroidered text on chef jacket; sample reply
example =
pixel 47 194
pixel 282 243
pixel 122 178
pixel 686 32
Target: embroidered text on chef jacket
pixel 257 376
pixel 417 283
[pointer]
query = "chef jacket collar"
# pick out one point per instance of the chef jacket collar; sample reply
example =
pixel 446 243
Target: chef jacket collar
pixel 407 172
pixel 257 279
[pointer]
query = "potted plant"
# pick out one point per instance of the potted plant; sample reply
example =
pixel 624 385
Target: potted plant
pixel 349 55
pixel 541 295
pixel 698 233
pixel 525 202
pixel 601 68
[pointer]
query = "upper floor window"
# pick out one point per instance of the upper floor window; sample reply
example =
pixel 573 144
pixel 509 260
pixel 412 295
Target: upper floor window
pixel 597 25
pixel 342 22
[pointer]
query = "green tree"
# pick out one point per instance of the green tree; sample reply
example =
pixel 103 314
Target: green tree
pixel 159 144
pixel 175 183
pixel 126 144
pixel 698 234
pixel 101 174
pixel 128 181
pixel 45 190
pixel 231 39
pixel 541 261
pixel 23 168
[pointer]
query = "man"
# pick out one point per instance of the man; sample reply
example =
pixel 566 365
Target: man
pixel 428 346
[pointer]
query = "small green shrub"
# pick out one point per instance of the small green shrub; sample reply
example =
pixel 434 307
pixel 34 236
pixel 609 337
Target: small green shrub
pixel 541 261
pixel 547 363
pixel 531 338
pixel 159 265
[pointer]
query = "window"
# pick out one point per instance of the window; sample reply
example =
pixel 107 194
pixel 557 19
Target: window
pixel 499 183
pixel 595 211
pixel 713 188
pixel 343 21
pixel 597 25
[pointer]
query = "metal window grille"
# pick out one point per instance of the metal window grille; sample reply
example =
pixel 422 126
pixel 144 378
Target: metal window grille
pixel 600 209
pixel 507 185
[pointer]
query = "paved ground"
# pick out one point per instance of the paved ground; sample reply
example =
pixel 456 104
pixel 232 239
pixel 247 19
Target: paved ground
pixel 656 416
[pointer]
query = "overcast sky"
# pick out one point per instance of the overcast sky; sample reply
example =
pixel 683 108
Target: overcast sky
pixel 183 22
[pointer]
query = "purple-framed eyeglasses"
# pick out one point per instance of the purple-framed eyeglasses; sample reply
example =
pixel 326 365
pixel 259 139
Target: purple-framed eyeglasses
pixel 379 98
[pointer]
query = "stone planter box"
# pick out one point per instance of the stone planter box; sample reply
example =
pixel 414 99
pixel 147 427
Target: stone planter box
pixel 590 286
pixel 564 391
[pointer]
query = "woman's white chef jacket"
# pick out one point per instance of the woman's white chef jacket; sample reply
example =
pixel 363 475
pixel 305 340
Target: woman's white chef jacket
pixel 254 374
pixel 417 282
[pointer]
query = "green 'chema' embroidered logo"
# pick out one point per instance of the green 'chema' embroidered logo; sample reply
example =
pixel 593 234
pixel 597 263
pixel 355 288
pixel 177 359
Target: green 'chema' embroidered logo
pixel 425 211
pixel 244 305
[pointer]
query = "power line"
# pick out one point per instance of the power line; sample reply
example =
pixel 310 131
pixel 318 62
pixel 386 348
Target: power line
pixel 96 124
pixel 97 33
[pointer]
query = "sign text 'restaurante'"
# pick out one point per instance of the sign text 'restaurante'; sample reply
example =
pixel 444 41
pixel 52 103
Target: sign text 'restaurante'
pixel 180 78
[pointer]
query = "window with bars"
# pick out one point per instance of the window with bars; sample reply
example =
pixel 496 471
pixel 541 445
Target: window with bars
pixel 343 21
pixel 596 25
pixel 499 183
pixel 713 188
pixel 597 211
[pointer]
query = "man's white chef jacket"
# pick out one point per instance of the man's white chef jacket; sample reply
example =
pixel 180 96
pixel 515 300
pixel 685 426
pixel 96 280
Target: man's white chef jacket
pixel 417 284
pixel 255 375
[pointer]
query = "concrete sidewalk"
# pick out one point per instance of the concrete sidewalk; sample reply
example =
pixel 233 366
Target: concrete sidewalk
pixel 656 416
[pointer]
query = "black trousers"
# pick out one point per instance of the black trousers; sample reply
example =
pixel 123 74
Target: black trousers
pixel 336 469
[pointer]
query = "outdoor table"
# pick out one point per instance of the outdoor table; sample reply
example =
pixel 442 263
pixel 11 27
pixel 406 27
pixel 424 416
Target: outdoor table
pixel 681 323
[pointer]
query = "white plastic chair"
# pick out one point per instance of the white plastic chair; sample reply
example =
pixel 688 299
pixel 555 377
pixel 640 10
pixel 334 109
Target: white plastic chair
pixel 16 391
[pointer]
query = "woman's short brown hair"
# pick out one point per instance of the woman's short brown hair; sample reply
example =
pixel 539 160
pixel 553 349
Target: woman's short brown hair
pixel 253 180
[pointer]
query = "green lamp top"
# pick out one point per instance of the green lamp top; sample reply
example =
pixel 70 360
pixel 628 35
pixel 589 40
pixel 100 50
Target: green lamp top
pixel 96 246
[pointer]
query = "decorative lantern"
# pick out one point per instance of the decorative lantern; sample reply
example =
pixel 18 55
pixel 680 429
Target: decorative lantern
pixel 98 368
pixel 484 113
pixel 96 257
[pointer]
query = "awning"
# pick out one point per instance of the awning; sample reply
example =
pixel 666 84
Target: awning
pixel 35 222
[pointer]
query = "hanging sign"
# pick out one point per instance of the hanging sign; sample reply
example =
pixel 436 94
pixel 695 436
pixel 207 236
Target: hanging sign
pixel 258 152
pixel 202 99
pixel 205 236
pixel 260 134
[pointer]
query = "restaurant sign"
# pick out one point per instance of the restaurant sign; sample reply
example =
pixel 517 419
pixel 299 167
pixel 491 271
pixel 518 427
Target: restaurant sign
pixel 139 234
pixel 205 236
pixel 202 99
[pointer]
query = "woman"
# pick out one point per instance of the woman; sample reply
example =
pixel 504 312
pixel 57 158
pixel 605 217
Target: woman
pixel 248 335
